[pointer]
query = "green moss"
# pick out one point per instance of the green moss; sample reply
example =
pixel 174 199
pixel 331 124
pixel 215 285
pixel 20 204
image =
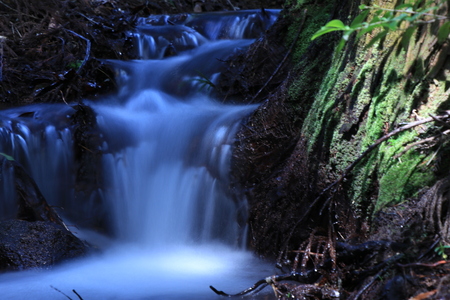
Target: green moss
pixel 295 4
pixel 404 179
pixel 361 96
pixel 316 17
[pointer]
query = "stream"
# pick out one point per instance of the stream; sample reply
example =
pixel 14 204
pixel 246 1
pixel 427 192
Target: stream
pixel 166 158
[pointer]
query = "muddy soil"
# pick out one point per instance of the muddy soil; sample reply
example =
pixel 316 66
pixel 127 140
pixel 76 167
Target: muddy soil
pixel 51 50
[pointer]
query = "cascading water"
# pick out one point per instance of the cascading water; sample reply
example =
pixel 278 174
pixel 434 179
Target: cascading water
pixel 166 160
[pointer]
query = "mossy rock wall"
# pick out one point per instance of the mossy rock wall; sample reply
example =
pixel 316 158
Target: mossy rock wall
pixel 369 92
pixel 328 111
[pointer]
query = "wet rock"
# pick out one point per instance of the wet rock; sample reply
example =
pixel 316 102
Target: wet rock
pixel 32 205
pixel 25 245
pixel 38 238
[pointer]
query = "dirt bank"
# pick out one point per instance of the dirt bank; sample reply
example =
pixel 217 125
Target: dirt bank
pixel 52 50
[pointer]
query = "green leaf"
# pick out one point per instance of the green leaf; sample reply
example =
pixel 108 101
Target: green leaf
pixel 357 22
pixel 335 24
pixel 414 17
pixel 391 26
pixel 8 157
pixel 378 13
pixel 388 15
pixel 443 32
pixel 401 17
pixel 362 6
pixel 375 19
pixel 368 29
pixel 323 31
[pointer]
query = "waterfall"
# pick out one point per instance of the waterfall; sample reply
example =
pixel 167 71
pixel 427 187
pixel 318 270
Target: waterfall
pixel 166 159
pixel 171 184
pixel 39 137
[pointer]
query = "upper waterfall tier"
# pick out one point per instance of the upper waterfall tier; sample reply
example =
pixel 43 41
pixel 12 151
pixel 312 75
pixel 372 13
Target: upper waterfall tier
pixel 162 36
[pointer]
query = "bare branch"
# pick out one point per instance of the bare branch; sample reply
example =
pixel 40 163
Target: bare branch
pixel 284 58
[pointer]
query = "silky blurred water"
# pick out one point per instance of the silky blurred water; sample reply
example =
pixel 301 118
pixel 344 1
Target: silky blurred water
pixel 166 159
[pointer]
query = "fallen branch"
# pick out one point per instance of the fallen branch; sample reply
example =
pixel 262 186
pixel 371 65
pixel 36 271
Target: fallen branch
pixel 432 265
pixel 259 285
pixel 88 49
pixel 388 264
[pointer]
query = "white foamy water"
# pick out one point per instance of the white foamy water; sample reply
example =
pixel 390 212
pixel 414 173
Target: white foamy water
pixel 166 162
pixel 132 272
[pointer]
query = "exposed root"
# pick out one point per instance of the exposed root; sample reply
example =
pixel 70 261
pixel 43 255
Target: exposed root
pixel 436 205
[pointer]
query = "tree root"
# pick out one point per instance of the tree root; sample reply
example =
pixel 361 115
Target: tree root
pixel 303 279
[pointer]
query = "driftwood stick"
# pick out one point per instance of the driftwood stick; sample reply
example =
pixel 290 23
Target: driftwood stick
pixel 259 285
pixel 60 292
pixel 88 49
pixel 284 58
pixel 256 287
pixel 75 292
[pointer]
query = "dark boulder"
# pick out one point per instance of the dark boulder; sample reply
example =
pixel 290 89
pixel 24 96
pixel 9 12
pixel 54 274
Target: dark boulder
pixel 40 244
pixel 38 238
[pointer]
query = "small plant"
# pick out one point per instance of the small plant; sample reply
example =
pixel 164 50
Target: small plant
pixel 204 81
pixel 8 157
pixel 406 17
pixel 75 64
pixel 440 250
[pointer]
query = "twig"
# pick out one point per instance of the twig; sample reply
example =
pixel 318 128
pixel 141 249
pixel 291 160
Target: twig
pixel 19 12
pixel 261 284
pixel 75 292
pixel 388 263
pixel 284 58
pixel 232 6
pixel 60 292
pixel 88 48
pixel 256 286
pixel 433 265
pixel 410 146
pixel 369 284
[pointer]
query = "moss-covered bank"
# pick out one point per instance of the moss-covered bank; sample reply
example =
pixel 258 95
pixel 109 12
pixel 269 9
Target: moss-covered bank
pixel 312 212
pixel 328 110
